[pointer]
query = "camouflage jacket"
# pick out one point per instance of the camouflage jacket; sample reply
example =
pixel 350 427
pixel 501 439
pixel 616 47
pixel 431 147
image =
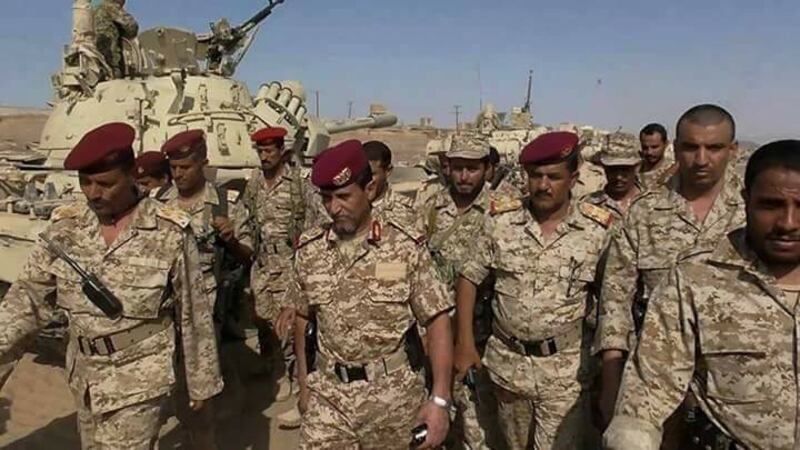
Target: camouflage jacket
pixel 365 300
pixel 660 230
pixel 202 216
pixel 726 327
pixel 450 233
pixel 111 24
pixel 279 215
pixel 601 199
pixel 542 286
pixel 153 268
pixel 659 175
pixel 398 208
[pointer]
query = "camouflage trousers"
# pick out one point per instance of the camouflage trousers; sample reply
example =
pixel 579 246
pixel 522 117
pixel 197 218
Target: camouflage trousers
pixel 362 415
pixel 134 427
pixel 543 402
pixel 475 426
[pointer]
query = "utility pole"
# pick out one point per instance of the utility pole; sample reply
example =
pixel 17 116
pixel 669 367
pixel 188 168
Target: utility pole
pixel 316 96
pixel 350 109
pixel 480 89
pixel 457 112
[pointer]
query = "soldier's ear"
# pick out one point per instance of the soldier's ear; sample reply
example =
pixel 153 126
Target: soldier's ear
pixel 371 190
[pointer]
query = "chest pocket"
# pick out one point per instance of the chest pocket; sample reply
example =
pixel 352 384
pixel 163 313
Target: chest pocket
pixel 735 374
pixel 654 266
pixel 390 283
pixel 141 285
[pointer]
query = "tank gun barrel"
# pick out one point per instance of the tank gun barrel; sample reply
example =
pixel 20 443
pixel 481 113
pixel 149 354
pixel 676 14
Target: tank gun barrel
pixel 257 18
pixel 373 121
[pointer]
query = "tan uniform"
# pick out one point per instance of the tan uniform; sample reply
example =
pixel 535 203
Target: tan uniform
pixel 660 231
pixel 727 329
pixel 545 296
pixel 659 175
pixel 111 24
pixel 153 268
pixel 280 214
pixel 366 294
pixel 398 208
pixel 202 217
pixel 602 200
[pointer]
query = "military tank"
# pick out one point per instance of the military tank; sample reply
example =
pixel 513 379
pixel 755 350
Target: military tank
pixel 173 80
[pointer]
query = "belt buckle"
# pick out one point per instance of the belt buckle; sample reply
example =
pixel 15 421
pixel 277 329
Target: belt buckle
pixel 548 347
pixel 341 371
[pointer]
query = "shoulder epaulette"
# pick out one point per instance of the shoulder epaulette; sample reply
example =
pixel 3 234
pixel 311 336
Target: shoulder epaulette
pixel 309 236
pixel 67 211
pixel 174 215
pixel 597 214
pixel 502 205
pixel 417 236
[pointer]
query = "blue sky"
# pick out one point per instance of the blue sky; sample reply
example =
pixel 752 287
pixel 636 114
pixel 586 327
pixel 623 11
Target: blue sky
pixel 655 59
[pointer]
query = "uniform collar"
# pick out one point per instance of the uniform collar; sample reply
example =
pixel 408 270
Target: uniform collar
pixel 445 200
pixel 374 237
pixel 210 194
pixel 729 195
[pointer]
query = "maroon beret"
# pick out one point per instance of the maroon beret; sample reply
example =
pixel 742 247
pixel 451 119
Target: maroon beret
pixel 549 148
pixel 339 165
pixel 102 148
pixel 150 163
pixel 264 135
pixel 183 144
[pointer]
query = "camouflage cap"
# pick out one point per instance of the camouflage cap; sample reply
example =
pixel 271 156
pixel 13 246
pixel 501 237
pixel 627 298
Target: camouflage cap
pixel 620 149
pixel 468 147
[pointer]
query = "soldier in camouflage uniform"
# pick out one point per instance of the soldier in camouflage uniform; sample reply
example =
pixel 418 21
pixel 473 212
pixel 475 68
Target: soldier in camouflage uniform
pixel 120 370
pixel 151 171
pixel 657 162
pixel 220 225
pixel 620 161
pixel 368 284
pixel 453 218
pixel 282 205
pixel 684 221
pixel 388 205
pixel 112 24
pixel 545 252
pixel 727 327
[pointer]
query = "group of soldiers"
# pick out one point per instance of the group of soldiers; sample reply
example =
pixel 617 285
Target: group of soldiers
pixel 484 312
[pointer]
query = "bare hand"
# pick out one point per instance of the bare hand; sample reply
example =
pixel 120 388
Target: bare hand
pixel 284 324
pixel 225 229
pixel 196 405
pixel 438 421
pixel 302 399
pixel 465 356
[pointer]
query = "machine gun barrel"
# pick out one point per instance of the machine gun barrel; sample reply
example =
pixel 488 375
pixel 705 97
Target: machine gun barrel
pixel 251 23
pixel 375 121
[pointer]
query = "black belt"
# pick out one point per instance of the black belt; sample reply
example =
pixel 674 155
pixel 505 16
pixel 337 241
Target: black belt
pixel 539 348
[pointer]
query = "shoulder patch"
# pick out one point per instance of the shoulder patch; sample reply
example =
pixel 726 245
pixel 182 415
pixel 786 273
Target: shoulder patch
pixel 67 211
pixel 597 214
pixel 174 215
pixel 309 236
pixel 502 205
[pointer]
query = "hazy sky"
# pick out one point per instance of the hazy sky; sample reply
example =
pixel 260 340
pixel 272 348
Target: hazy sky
pixel 607 63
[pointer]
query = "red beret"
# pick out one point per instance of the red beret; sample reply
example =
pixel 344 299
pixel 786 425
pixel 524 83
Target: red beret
pixel 102 148
pixel 339 165
pixel 150 163
pixel 549 148
pixel 267 134
pixel 183 144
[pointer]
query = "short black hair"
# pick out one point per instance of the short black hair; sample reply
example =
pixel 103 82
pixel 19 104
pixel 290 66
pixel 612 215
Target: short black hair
pixel 653 128
pixel 363 178
pixel 573 161
pixel 378 151
pixel 705 115
pixel 785 153
pixel 494 156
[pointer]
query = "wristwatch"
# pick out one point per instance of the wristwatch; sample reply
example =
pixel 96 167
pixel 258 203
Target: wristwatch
pixel 441 402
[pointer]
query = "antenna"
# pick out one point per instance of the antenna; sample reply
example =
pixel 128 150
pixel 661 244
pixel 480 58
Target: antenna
pixel 350 109
pixel 457 112
pixel 527 106
pixel 480 89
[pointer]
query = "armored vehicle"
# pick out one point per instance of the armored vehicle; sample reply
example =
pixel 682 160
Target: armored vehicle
pixel 173 80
